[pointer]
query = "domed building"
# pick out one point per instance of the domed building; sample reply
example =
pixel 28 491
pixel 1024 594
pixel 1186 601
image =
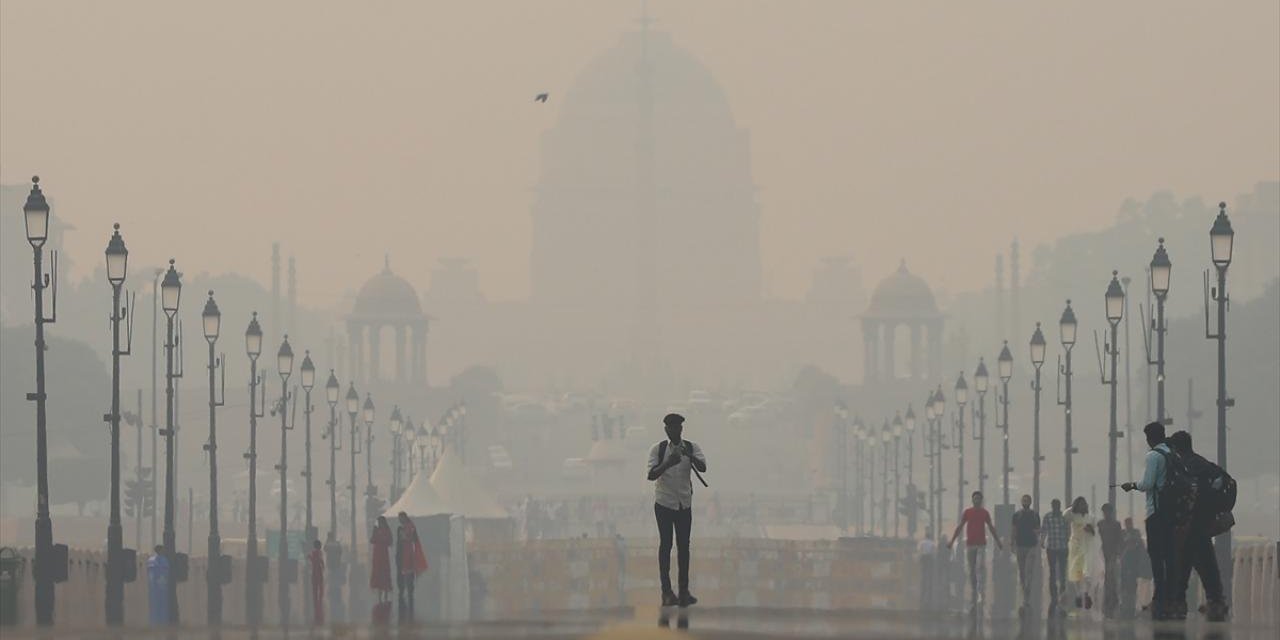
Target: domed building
pixel 902 301
pixel 388 304
pixel 645 198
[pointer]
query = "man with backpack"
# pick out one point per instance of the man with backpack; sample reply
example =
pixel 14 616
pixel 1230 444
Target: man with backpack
pixel 1160 517
pixel 671 463
pixel 1215 495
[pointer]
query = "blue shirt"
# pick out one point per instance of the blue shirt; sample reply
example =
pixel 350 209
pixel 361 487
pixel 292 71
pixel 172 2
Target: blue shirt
pixel 1153 478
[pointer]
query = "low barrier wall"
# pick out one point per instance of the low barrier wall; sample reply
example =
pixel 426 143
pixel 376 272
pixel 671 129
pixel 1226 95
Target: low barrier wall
pixel 1255 584
pixel 552 575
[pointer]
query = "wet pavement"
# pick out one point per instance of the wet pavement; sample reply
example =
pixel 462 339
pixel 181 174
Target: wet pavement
pixel 709 623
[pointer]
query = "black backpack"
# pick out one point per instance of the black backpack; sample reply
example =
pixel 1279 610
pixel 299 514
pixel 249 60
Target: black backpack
pixel 1176 498
pixel 1217 489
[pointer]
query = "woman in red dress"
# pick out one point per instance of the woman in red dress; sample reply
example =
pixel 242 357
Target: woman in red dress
pixel 410 560
pixel 380 576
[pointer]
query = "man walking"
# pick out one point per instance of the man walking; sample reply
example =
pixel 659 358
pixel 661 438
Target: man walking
pixel 1134 565
pixel 1159 528
pixel 1197 550
pixel 1112 539
pixel 671 465
pixel 1026 544
pixel 1056 534
pixel 976 521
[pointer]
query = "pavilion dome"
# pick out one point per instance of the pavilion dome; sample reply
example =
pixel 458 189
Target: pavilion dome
pixel 902 295
pixel 387 295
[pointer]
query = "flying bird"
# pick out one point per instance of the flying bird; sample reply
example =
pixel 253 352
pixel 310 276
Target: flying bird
pixel 541 97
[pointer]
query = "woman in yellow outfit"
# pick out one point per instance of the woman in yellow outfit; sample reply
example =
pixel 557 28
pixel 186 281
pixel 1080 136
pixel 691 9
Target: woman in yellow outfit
pixel 1083 540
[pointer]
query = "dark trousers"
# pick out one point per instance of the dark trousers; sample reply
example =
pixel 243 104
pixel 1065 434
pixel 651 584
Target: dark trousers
pixel 1197 553
pixel 1163 562
pixel 1057 574
pixel 679 522
pixel 405 583
pixel 1026 557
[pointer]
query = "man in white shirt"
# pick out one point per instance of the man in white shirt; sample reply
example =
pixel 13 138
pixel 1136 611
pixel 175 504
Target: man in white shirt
pixel 671 463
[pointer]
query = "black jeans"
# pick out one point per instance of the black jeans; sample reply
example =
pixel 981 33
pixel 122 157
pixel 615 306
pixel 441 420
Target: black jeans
pixel 679 521
pixel 1197 553
pixel 1057 574
pixel 1163 562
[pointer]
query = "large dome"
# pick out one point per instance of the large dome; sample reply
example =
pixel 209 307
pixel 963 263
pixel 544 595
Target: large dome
pixel 902 295
pixel 387 295
pixel 645 147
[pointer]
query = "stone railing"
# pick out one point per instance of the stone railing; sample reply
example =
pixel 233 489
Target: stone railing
pixel 1255 584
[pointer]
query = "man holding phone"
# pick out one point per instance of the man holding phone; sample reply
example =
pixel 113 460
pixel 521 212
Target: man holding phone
pixel 672 464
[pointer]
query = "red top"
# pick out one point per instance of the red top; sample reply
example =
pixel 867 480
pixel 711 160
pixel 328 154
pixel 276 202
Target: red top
pixel 975 521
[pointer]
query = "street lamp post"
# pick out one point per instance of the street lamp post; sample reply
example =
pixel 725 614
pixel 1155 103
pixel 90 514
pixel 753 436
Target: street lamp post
pixel 117 267
pixel 353 408
pixel 170 296
pixel 939 419
pixel 332 548
pixel 1037 360
pixel 931 450
pixel 1004 367
pixel 897 476
pixel 397 423
pixel 962 399
pixel 211 319
pixel 981 382
pixel 1115 313
pixel 1161 270
pixel 370 491
pixel 253 571
pixel 1067 334
pixel 308 374
pixel 284 366
pixel 1221 244
pixel 886 436
pixel 36 214
pixel 910 424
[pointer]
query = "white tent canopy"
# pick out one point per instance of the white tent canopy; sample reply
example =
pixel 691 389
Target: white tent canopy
pixel 418 500
pixel 460 491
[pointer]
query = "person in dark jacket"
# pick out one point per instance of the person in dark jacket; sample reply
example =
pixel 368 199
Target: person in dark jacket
pixel 1196 548
pixel 1112 539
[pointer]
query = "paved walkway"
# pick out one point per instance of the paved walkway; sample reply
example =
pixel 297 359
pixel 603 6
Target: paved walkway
pixel 711 624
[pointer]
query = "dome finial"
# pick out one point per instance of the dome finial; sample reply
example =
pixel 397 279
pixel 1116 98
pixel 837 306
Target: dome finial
pixel 902 265
pixel 386 261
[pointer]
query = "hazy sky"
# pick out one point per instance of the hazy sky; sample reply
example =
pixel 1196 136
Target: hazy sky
pixel 927 130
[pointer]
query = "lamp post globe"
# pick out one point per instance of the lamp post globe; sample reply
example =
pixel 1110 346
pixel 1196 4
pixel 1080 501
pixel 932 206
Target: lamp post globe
pixel 1004 363
pixel 171 290
pixel 308 372
pixel 1037 347
pixel 1221 238
pixel 981 379
pixel 284 360
pixel 331 389
pixel 1115 299
pixel 962 392
pixel 910 419
pixel 253 338
pixel 211 319
pixel 1067 327
pixel 1161 271
pixel 353 401
pixel 367 410
pixel 117 258
pixel 36 214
